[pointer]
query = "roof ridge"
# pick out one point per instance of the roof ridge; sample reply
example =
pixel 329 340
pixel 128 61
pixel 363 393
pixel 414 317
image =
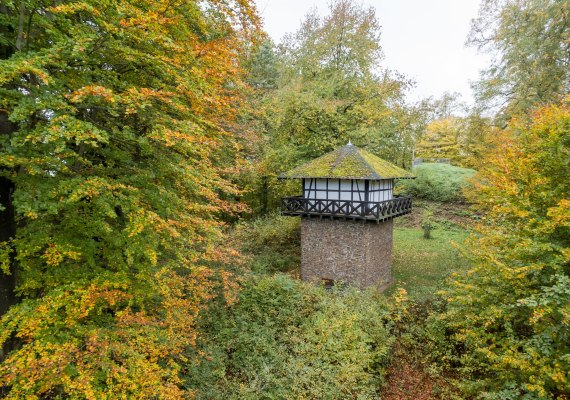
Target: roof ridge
pixel 368 165
pixel 348 162
pixel 342 153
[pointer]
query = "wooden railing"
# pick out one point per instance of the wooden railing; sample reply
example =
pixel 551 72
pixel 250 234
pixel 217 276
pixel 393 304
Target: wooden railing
pixel 372 210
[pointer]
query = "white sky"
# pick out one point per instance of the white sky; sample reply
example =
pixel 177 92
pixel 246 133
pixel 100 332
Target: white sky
pixel 423 39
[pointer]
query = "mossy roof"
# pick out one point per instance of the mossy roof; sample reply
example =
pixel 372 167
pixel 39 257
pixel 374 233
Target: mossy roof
pixel 348 162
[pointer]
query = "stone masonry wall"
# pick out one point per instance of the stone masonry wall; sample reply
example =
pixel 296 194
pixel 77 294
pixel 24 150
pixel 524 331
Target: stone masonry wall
pixel 356 252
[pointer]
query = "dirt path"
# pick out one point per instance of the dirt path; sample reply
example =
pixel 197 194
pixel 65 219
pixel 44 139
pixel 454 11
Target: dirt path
pixel 409 380
pixel 455 213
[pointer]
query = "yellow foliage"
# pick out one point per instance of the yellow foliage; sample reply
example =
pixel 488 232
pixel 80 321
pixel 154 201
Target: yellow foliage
pixel 511 310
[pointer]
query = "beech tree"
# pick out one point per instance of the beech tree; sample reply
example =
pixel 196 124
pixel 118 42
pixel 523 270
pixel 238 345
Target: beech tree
pixel 118 112
pixel 462 140
pixel 441 140
pixel 530 44
pixel 331 88
pixel 508 316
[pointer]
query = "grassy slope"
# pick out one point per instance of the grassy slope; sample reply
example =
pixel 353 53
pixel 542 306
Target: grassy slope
pixel 437 182
pixel 421 265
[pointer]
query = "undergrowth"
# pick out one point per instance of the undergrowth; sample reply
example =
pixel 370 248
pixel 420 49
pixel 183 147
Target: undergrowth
pixel 286 339
pixel 272 243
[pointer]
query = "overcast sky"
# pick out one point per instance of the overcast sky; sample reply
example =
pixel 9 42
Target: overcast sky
pixel 423 39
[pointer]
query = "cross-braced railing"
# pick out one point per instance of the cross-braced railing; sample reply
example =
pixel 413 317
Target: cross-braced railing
pixel 372 210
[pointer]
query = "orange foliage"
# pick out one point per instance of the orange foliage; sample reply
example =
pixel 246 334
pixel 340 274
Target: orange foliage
pixel 119 187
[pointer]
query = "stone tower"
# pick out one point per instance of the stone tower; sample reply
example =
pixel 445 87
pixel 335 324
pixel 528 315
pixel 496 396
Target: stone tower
pixel 347 207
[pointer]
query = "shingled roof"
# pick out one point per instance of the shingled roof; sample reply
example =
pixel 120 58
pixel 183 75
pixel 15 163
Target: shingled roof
pixel 348 162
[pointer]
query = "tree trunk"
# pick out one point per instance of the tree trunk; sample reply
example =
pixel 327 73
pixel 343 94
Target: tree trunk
pixel 263 195
pixel 7 227
pixel 7 214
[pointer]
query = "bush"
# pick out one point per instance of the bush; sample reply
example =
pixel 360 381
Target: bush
pixel 428 223
pixel 438 182
pixel 273 242
pixel 289 339
pixel 274 230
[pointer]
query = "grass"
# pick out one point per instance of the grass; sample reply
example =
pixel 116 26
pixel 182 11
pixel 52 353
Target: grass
pixel 421 265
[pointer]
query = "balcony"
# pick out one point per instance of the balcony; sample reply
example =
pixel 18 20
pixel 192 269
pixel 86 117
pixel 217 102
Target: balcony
pixel 347 209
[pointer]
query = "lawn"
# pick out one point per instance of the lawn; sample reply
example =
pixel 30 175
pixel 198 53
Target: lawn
pixel 421 265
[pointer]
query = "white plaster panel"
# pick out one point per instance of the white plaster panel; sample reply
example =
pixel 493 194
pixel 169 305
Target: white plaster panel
pixel 321 184
pixel 345 184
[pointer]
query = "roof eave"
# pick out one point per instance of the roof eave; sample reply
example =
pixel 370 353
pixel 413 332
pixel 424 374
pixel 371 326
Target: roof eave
pixel 370 178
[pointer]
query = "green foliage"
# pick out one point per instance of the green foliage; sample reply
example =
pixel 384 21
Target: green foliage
pixel 286 339
pixel 437 181
pixel 441 140
pixel 446 135
pixel 507 318
pixel 109 338
pixel 421 266
pixel 461 140
pixel 273 242
pixel 331 88
pixel 120 112
pixel 417 352
pixel 530 42
pixel 262 67
pixel 428 223
pixel 343 44
pixel 274 230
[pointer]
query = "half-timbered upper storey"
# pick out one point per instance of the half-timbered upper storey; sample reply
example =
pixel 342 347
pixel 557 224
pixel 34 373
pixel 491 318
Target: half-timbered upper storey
pixel 349 183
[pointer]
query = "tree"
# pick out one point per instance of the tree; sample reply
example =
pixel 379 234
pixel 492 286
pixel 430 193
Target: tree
pixel 476 139
pixel 448 105
pixel 509 315
pixel 343 46
pixel 461 140
pixel 7 215
pixel 261 66
pixel 121 110
pixel 441 140
pixel 530 42
pixel 331 89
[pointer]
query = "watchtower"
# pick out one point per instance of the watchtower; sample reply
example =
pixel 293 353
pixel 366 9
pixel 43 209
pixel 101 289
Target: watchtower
pixel 347 208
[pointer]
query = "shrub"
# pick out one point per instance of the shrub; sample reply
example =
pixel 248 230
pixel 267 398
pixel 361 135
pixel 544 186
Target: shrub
pixel 428 223
pixel 273 241
pixel 438 182
pixel 274 230
pixel 289 339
